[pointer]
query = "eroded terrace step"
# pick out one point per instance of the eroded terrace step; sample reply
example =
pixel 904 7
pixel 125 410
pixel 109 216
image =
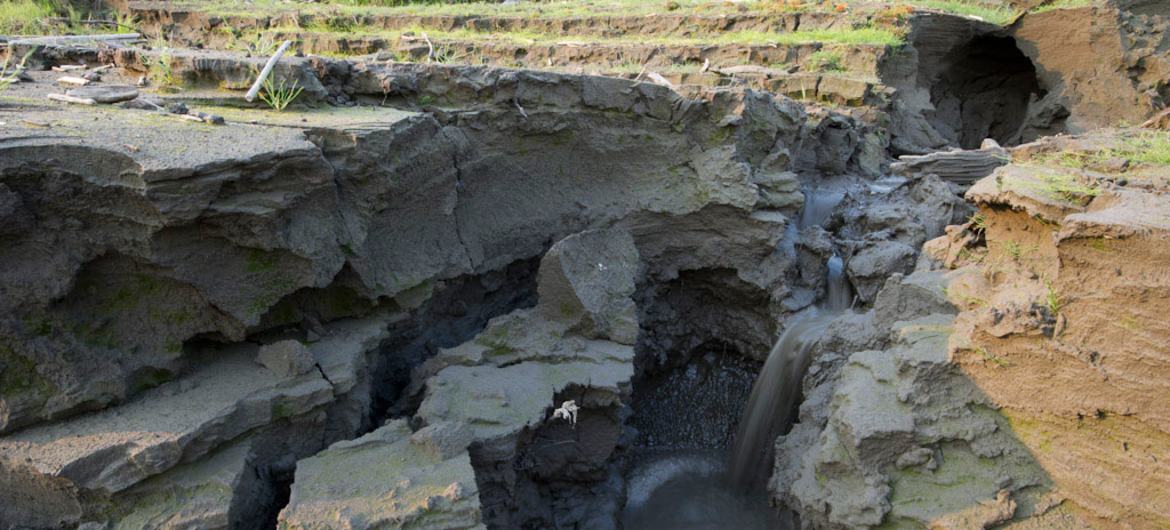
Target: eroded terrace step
pixel 862 58
pixel 220 78
pixel 217 20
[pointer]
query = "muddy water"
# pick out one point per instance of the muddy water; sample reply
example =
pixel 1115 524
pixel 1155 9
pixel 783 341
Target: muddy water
pixel 818 206
pixel 705 490
pixel 689 491
pixel 772 405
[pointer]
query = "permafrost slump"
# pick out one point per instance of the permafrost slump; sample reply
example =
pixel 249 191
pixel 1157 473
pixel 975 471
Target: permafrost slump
pixel 728 289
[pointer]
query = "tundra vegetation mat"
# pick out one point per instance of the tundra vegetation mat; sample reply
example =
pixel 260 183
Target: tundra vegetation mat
pixel 562 264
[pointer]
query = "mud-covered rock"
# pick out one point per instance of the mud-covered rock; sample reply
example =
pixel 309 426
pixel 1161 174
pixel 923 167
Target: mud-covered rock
pixel 286 358
pixel 587 280
pixel 873 263
pixel 385 479
pixel 284 226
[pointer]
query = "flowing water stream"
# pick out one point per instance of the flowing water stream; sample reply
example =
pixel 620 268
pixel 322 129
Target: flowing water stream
pixel 707 491
pixel 772 405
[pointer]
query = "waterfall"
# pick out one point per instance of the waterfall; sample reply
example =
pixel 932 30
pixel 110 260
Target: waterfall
pixel 839 297
pixel 818 206
pixel 772 405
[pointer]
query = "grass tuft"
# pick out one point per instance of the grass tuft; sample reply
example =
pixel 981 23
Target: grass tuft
pixel 25 17
pixel 160 67
pixel 10 73
pixel 826 61
pixel 1052 300
pixel 280 95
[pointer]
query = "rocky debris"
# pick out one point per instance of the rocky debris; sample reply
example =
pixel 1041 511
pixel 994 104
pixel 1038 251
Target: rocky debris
pixel 286 358
pixel 109 451
pixel 225 228
pixel 780 190
pixel 388 478
pixel 491 391
pixel 233 487
pixel 961 167
pixel 120 318
pixel 882 228
pixel 906 440
pixel 1031 296
pixel 869 267
pixel 156 445
pixel 578 284
pixel 210 494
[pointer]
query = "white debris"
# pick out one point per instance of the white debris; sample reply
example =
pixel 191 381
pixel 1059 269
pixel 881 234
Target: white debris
pixel 567 411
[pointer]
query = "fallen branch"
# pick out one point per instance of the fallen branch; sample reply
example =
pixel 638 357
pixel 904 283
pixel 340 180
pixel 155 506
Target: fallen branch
pixel 267 70
pixel 70 99
pixel 430 47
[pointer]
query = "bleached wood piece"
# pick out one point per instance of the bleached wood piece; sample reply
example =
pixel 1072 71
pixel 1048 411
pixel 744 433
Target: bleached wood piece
pixel 251 95
pixel 70 99
pixel 72 80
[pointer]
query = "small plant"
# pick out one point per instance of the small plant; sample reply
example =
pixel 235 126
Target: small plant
pixel 426 99
pixel 160 69
pixel 259 44
pixel 1099 245
pixel 279 95
pixel 443 55
pixel 125 22
pixel 826 61
pixel 989 357
pixel 1014 249
pixel 978 222
pixel 1067 187
pixel 10 73
pixel 1129 323
pixel 1052 299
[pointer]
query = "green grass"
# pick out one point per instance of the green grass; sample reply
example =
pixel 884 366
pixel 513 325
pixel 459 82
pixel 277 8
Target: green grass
pixel 10 70
pixel 989 357
pixel 1063 4
pixel 1151 148
pixel 278 96
pixel 55 17
pixel 978 222
pixel 1067 187
pixel 160 67
pixel 853 37
pixel 959 7
pixel 552 9
pixel 1053 300
pixel 584 8
pixel 826 61
pixel 25 17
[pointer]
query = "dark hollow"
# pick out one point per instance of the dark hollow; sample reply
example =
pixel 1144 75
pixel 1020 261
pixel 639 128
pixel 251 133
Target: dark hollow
pixel 983 92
